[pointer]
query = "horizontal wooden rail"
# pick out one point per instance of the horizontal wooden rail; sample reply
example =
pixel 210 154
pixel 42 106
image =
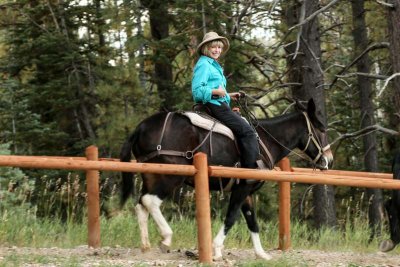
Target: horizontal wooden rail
pixel 293 169
pixel 78 158
pixel 295 177
pixel 380 175
pixel 71 164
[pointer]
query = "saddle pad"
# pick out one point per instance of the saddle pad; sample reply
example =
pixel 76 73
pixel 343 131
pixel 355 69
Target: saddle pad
pixel 207 123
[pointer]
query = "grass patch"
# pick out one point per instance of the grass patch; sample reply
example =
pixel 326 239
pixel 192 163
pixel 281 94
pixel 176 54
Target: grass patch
pixel 22 229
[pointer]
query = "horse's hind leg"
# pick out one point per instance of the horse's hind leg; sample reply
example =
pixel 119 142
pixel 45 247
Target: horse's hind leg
pixel 152 203
pixel 143 218
pixel 394 226
pixel 250 216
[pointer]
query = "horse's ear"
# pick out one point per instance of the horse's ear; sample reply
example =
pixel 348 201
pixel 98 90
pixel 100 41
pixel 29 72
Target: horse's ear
pixel 315 116
pixel 311 107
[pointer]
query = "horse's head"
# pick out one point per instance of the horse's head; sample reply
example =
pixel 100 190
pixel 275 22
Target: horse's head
pixel 315 143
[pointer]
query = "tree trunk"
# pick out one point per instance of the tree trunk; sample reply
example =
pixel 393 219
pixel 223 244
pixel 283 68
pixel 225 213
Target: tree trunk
pixel 376 211
pixel 84 114
pixel 99 24
pixel 163 78
pixel 304 63
pixel 394 40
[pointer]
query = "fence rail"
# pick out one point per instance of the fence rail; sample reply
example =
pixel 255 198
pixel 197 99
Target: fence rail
pixel 201 171
pixel 304 177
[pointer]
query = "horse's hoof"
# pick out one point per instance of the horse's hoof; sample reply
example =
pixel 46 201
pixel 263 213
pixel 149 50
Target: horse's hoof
pixel 264 256
pixel 217 258
pixel 191 255
pixel 164 248
pixel 145 249
pixel 386 245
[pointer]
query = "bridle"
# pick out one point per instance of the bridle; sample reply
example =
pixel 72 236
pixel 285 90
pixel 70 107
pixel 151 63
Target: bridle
pixel 313 138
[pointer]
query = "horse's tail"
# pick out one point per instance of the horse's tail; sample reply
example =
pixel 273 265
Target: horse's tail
pixel 127 185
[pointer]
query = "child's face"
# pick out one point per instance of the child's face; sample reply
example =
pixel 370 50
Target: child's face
pixel 215 51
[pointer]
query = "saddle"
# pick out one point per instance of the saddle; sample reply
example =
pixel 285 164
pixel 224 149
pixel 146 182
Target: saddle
pixel 209 123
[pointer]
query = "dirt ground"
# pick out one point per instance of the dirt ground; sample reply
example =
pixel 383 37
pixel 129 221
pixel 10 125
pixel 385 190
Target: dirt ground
pixel 84 256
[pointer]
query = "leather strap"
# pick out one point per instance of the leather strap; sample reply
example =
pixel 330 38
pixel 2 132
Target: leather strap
pixel 188 154
pixel 267 152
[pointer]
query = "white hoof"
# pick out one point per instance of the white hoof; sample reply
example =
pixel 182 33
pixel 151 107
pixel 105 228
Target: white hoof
pixel 263 256
pixel 218 253
pixel 217 258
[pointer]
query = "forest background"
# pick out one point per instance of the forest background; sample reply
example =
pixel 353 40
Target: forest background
pixel 77 73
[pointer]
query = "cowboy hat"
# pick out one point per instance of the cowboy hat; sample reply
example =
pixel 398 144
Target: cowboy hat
pixel 212 36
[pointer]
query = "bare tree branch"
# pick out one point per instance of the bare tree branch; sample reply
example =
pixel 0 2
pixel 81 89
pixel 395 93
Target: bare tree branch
pixel 385 3
pixel 273 88
pixel 53 15
pixel 369 48
pixel 272 103
pixel 387 81
pixel 366 130
pixel 242 14
pixel 330 28
pixel 370 75
pixel 313 15
pixel 302 18
pixel 317 61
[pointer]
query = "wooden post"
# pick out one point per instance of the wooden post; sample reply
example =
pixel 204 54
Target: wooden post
pixel 284 208
pixel 203 212
pixel 93 201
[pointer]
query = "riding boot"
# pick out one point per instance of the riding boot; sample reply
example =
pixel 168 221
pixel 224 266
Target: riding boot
pixel 249 152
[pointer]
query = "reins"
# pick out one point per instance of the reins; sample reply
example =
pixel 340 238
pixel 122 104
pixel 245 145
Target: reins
pixel 251 118
pixel 311 136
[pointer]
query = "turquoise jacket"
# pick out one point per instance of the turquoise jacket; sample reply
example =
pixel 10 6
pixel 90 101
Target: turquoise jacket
pixel 208 75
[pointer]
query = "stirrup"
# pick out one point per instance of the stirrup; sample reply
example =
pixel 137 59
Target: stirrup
pixel 261 164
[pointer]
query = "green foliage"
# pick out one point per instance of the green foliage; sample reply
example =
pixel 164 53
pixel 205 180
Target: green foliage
pixel 10 180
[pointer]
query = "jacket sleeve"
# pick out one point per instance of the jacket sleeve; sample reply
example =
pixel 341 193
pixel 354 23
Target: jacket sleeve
pixel 201 90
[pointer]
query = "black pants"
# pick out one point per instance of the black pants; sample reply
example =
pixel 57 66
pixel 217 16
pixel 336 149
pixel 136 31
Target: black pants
pixel 245 135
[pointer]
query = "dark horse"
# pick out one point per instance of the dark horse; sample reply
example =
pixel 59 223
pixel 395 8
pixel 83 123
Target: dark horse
pixel 179 138
pixel 393 209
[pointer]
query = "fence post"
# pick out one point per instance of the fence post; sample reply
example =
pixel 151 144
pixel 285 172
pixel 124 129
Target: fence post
pixel 92 189
pixel 203 212
pixel 284 208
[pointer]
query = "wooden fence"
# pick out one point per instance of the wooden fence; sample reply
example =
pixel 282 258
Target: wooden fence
pixel 92 164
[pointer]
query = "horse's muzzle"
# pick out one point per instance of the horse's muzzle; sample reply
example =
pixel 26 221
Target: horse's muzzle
pixel 325 161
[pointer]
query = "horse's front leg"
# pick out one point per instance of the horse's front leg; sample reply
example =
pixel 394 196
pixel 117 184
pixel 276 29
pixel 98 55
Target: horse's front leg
pixel 152 204
pixel 235 202
pixel 250 216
